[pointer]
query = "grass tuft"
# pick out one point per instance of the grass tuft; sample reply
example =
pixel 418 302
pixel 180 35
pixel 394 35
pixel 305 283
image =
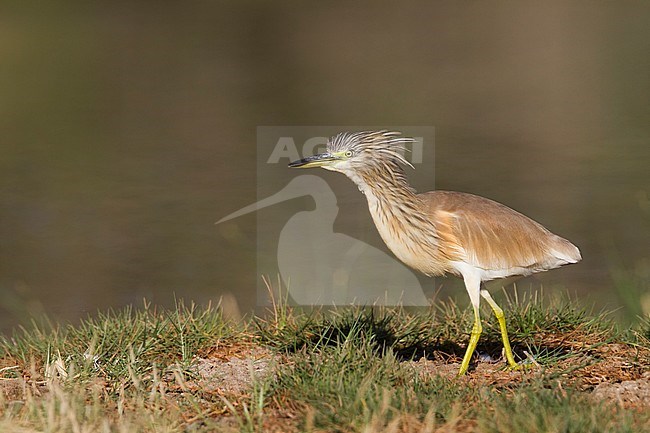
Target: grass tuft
pixel 346 370
pixel 117 344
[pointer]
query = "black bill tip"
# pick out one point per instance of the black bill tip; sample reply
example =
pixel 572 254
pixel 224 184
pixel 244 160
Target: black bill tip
pixel 313 161
pixel 298 163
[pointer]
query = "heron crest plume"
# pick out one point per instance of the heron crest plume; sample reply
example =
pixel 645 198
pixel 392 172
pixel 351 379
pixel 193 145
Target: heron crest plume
pixel 377 157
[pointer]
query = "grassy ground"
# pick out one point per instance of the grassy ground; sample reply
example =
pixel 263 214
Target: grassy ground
pixel 351 370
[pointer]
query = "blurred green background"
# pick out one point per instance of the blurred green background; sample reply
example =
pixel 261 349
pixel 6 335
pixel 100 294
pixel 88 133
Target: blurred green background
pixel 128 128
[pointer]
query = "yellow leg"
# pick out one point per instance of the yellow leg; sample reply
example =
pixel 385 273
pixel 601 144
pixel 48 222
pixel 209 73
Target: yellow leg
pixel 498 312
pixel 473 341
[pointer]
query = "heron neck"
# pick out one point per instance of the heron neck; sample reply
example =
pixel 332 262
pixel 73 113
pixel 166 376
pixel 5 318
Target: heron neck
pixel 390 185
pixel 389 194
pixel 401 219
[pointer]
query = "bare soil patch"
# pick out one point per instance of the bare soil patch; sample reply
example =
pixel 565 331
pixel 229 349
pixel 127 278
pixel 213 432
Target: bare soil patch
pixel 230 368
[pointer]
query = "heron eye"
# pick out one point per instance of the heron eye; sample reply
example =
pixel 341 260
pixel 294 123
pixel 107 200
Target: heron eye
pixel 348 154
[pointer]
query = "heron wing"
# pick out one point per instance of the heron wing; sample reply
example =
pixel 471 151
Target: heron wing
pixel 492 236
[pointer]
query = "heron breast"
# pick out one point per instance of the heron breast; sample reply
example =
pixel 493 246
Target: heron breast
pixel 406 241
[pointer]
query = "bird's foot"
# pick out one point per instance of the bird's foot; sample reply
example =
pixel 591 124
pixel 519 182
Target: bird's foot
pixel 527 364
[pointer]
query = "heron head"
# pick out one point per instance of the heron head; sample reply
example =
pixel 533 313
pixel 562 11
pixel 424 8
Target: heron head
pixel 352 153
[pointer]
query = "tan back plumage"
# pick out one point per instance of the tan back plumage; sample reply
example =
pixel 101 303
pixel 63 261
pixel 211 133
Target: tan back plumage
pixel 492 236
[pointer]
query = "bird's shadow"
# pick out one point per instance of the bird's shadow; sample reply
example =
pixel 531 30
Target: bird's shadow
pixel 490 351
pixel 381 333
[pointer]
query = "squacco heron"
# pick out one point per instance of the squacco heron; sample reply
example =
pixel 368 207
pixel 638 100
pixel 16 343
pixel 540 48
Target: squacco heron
pixel 443 232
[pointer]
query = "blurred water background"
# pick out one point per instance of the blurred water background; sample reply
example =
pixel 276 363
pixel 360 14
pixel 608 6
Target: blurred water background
pixel 128 128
